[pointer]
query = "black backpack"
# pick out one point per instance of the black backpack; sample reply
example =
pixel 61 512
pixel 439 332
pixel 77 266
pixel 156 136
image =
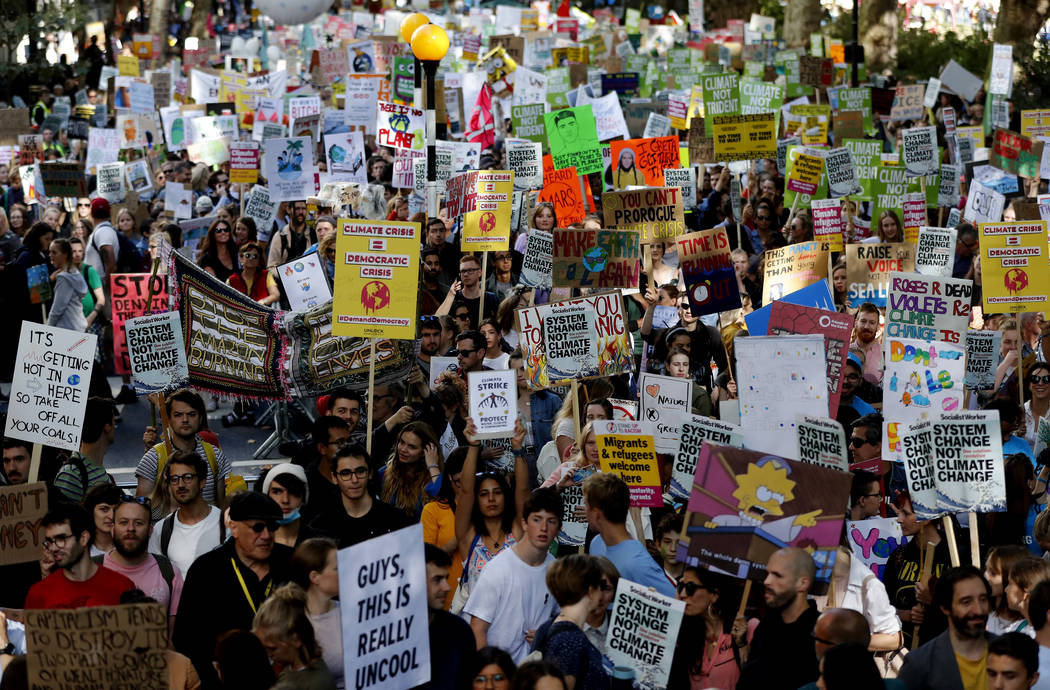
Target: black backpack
pixel 129 258
pixel 167 571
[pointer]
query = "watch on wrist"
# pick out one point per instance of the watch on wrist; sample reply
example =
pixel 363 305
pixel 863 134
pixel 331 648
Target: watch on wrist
pixel 8 650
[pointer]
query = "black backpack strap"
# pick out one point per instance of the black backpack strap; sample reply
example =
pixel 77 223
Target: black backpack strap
pixel 78 462
pixel 167 571
pixel 166 528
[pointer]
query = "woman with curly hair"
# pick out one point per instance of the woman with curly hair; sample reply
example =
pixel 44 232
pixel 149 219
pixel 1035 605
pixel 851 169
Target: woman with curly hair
pixel 412 475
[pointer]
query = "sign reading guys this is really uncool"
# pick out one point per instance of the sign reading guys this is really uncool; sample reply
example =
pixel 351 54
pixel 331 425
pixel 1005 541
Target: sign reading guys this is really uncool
pixel 50 387
pixel 383 591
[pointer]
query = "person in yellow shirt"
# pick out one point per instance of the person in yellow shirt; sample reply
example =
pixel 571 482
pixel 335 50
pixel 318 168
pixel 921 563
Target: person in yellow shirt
pixel 625 173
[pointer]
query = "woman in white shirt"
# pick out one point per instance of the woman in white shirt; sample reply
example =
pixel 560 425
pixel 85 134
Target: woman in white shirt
pixel 889 229
pixel 854 586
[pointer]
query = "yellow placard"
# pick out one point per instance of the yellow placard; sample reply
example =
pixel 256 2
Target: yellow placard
pixel 633 458
pixel 805 173
pixel 487 228
pixel 1035 123
pixel 376 260
pixel 128 66
pixel 975 133
pixel 1014 266
pixel 745 137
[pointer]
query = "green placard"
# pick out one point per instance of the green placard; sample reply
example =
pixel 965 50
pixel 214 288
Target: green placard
pixel 857 99
pixel 721 97
pixel 528 123
pixel 757 96
pixel 557 86
pixel 866 155
pixel 572 135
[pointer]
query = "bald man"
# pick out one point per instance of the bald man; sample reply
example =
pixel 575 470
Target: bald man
pixel 781 654
pixel 844 626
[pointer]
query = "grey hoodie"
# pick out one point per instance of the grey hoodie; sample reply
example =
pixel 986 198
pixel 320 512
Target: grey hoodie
pixel 67 310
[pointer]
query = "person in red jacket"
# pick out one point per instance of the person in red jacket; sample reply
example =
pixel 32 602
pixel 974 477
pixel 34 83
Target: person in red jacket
pixel 76 580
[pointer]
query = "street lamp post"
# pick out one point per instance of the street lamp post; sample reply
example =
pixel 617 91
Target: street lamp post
pixel 429 45
pixel 408 27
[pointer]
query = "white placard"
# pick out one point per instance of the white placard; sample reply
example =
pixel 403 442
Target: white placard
pixel 525 160
pixel 665 402
pixel 570 339
pixel 288 166
pixel 111 182
pixel 821 441
pixel 346 157
pixel 841 173
pixel 179 200
pixel 493 397
pixel 919 150
pixel 439 365
pixel 156 352
pixel 657 126
pixel 935 251
pixel 304 282
pixel 262 209
pixel 642 632
pixel 695 430
pixel 684 179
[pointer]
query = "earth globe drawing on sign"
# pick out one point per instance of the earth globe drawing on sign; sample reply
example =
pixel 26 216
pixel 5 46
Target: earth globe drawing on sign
pixel 290 161
pixel 399 122
pixel 374 296
pixel 337 154
pixel 595 259
pixel 487 221
pixel 1015 280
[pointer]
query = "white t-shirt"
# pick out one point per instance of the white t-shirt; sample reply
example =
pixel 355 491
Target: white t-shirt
pixel 513 598
pixel 103 235
pixel 1044 669
pixel 501 362
pixel 188 542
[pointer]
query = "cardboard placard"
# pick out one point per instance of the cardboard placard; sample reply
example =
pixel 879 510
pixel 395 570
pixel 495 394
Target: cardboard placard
pixel 794 267
pixel 22 509
pixel 868 269
pixel 596 258
pixel 665 402
pixel 657 212
pixel 707 269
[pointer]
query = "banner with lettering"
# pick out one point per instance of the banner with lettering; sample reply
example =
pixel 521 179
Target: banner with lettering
pixel 868 269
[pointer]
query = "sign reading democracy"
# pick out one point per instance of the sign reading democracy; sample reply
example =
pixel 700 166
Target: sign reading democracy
pixel 1014 267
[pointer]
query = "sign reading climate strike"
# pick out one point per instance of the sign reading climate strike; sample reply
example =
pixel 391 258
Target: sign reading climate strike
pixel 657 212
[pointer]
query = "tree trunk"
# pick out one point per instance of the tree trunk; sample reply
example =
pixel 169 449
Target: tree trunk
pixel 718 12
pixel 878 30
pixel 1018 23
pixel 158 26
pixel 199 19
pixel 801 18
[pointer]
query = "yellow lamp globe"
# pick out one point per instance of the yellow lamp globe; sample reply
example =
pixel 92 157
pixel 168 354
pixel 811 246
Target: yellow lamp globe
pixel 430 42
pixel 410 23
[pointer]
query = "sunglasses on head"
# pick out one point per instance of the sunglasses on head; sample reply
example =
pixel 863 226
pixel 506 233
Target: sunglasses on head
pixel 141 500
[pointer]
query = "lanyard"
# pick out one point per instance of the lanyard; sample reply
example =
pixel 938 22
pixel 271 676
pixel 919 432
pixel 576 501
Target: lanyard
pixel 247 595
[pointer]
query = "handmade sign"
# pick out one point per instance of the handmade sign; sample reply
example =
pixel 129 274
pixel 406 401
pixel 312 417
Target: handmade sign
pixel 155 352
pixel 871 541
pixel 780 377
pixel 821 441
pixel 288 166
pixel 1013 266
pixel 596 258
pixel 744 137
pixel 868 269
pixel 982 357
pixel 572 135
pixel 304 282
pixel 641 162
pixel 50 387
pixel 65 652
pixel 63 179
pixel 707 269
pixel 22 509
pixel 538 264
pixel 793 267
pixel 607 339
pixel 656 212
pixel 562 188
pixel 1016 154
pixel 746 505
pixel 128 294
pixel 664 402
pixel 38 280
pixel 928 308
pixel 345 153
pixel 627 448
pixel 375 261
pixel 383 587
pixel 983 204
pixel 643 630
pixel 695 430
pixel 400 126
pixel 907 103
pixel 796 319
pixel 935 251
pixel 493 397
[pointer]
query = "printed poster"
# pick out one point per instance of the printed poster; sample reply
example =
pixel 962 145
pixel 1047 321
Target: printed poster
pixel 821 441
pixel 982 358
pixel 694 432
pixel 493 397
pixel 665 402
pixel 643 629
pixel 935 251
pixel 627 448
pixel 538 263
pixel 156 352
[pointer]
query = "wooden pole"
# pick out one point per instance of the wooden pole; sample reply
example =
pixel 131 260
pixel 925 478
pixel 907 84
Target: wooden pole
pixel 975 542
pixel 372 388
pixel 34 463
pixel 791 216
pixel 481 302
pixel 953 548
pixel 684 535
pixel 926 570
pixel 940 217
pixel 636 516
pixel 1020 363
pixel 152 275
pixel 743 599
pixel 729 365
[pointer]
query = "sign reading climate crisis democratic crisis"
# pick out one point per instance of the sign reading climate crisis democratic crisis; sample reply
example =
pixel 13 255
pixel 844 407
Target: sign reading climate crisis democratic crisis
pixel 596 258
pixel 656 211
pixel 1014 266
pixel 708 271
pixel 376 260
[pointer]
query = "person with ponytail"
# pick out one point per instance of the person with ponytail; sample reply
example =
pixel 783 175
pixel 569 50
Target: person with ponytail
pixel 286 633
pixel 315 568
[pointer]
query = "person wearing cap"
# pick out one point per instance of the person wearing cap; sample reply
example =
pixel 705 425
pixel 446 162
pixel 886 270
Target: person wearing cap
pixel 224 588
pixel 286 485
pixel 203 207
pixel 103 246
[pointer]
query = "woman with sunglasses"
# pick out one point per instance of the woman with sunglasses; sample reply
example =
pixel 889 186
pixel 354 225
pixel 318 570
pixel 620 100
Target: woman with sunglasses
pixel 1037 402
pixel 217 253
pixel 253 280
pixel 716 662
pixel 487 519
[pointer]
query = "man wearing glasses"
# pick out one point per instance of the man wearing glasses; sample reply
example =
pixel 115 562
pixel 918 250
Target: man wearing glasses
pixel 225 587
pixel 467 291
pixel 965 246
pixel 293 239
pixel 865 497
pixel 470 351
pixel 195 527
pixel 358 516
pixel 75 581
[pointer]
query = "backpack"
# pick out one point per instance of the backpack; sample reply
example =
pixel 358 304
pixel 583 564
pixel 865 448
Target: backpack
pixel 129 258
pixel 167 527
pixel 167 571
pixel 209 452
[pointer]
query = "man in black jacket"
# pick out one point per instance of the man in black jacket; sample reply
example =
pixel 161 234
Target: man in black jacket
pixel 225 587
pixel 452 644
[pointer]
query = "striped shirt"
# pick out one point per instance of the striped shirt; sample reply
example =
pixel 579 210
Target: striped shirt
pixel 147 468
pixel 69 480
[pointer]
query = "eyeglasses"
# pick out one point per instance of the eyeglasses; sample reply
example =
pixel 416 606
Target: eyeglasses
pixel 176 479
pixel 761 217
pixel 258 527
pixel 690 588
pixel 81 204
pixel 250 255
pixel 495 678
pixel 821 640
pixel 141 500
pixel 462 317
pixel 1045 378
pixel 501 257
pixel 358 472
pixel 58 540
pixel 857 441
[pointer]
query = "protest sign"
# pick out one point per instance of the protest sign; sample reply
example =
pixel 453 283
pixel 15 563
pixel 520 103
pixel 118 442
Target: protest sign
pixel 568 341
pixel 262 209
pixel 948 190
pixel 304 282
pixel 664 402
pixel 856 99
pixel 827 222
pixel 22 508
pixel 128 293
pixel 757 96
pixel 684 179
pixel 608 338
pixel 608 116
pixel 658 125
pixel 50 386
pixel 382 589
pixel 656 212
pixel 746 505
pixel 363 94
pixel 780 377
pixel 935 251
pixel 288 166
pixel 400 126
pixel 375 261
pixel 1034 123
pixel 525 160
pixel 572 136
pixel 63 179
pixel 538 264
pixel 793 267
pixel 244 162
pixel 721 98
pixel 562 188
pixel 487 226
pixel 743 137
pixel 842 173
pixel 821 441
pixel 627 448
pixel 695 430
pixel 138 175
pixel 798 319
pixel 155 352
pixel 868 268
pixel 1016 154
pixel 461 193
pixel 871 541
pixel 493 397
pixel 982 357
pixel 907 103
pixel 38 280
pixel 983 204
pixel 110 181
pixel 641 162
pixel 66 652
pixel 806 171
pixel 440 365
pixel 596 258
pixel 919 150
pixel 913 215
pixel 573 528
pixel 707 269
pixel 815 71
pixel 528 122
pixel 345 152
pixel 1001 76
pixel 1014 267
pixel 643 630
pixel 701 148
